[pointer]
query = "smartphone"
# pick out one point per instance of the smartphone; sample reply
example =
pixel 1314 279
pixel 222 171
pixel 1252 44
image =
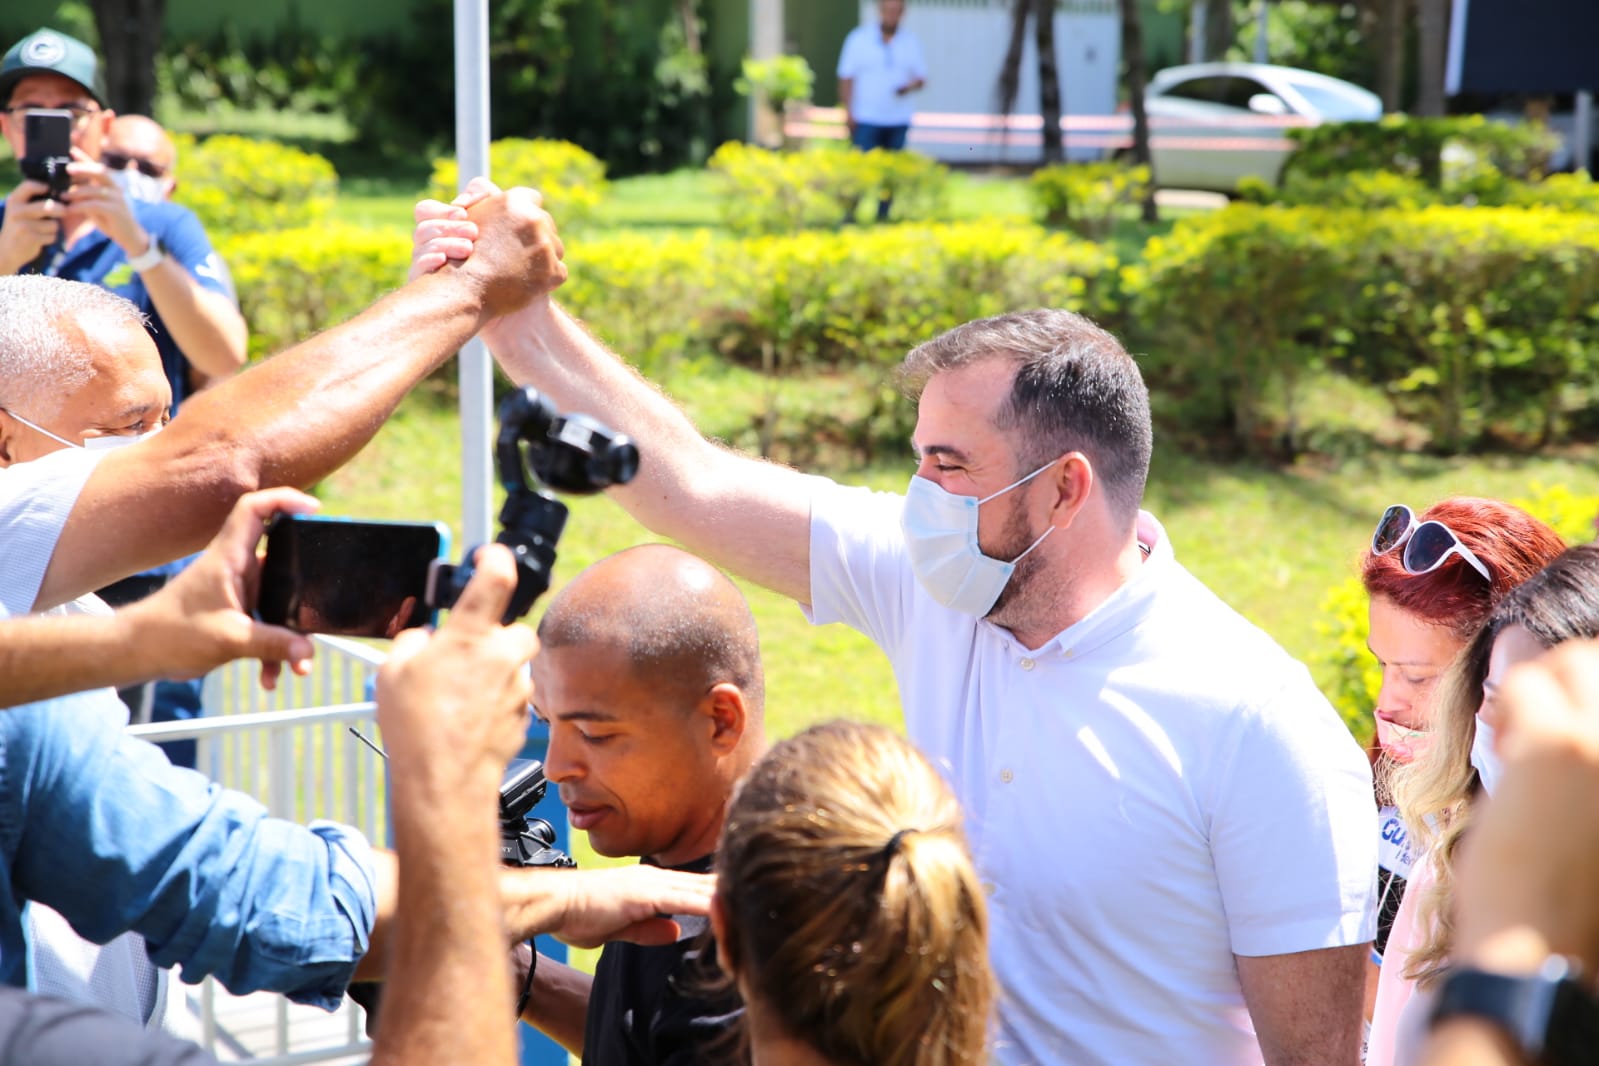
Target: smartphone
pixel 46 132
pixel 347 577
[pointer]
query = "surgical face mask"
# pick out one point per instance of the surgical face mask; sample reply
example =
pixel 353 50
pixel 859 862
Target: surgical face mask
pixel 1402 743
pixel 139 186
pixel 1484 758
pixel 90 444
pixel 941 539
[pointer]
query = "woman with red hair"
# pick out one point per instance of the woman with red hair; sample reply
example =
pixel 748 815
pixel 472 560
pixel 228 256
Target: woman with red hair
pixel 1432 579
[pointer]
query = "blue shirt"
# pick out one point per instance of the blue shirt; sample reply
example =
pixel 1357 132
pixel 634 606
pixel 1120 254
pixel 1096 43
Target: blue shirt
pixel 99 260
pixel 99 826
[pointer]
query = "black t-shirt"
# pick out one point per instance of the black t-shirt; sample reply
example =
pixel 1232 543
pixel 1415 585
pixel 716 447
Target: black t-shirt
pixel 40 1031
pixel 649 1006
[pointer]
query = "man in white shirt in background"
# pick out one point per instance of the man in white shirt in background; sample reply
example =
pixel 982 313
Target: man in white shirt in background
pixel 878 68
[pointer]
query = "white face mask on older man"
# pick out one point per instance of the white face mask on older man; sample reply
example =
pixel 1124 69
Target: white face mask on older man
pixel 90 444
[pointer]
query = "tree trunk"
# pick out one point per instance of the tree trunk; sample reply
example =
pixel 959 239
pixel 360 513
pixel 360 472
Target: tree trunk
pixel 1221 32
pixel 1009 85
pixel 1392 17
pixel 1432 30
pixel 130 37
pixel 1133 57
pixel 1049 91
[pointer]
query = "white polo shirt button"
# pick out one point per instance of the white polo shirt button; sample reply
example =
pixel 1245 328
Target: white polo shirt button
pixel 988 888
pixel 1006 776
pixel 1028 664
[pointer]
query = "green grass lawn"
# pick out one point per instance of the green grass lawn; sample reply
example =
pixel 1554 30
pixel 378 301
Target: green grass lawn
pixel 683 199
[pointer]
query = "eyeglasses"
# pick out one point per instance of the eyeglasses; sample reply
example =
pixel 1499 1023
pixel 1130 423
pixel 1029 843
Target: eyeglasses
pixel 1427 544
pixel 80 114
pixel 121 161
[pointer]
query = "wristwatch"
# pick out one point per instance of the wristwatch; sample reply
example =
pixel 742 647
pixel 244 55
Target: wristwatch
pixel 1550 1015
pixel 148 258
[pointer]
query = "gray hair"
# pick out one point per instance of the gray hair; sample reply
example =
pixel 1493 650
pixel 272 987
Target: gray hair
pixel 44 354
pixel 1076 390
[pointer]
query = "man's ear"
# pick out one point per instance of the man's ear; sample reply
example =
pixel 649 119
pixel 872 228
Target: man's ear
pixel 1073 480
pixel 8 432
pixel 728 714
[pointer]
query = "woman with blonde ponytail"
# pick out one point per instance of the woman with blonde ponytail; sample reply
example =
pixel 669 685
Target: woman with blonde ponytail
pixel 847 909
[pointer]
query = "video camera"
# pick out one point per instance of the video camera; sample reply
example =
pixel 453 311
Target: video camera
pixel 524 839
pixel 372 579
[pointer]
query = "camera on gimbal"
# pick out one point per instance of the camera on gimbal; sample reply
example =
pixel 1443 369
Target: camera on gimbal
pixel 569 453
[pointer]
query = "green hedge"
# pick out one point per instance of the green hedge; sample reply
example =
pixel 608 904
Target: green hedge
pixel 242 185
pixel 571 180
pixel 819 187
pixel 1479 323
pixel 813 299
pixel 1435 151
pixel 1087 197
pixel 297 282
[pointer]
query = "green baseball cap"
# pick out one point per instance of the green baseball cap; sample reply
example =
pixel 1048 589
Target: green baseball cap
pixel 49 52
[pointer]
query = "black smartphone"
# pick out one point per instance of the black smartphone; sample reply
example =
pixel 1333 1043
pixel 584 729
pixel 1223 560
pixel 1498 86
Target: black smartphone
pixel 349 578
pixel 47 148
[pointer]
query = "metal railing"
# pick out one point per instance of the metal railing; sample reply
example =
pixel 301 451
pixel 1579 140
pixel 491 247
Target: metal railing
pixel 292 750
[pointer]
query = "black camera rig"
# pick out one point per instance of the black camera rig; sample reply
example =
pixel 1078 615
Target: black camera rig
pixel 524 839
pixel 538 446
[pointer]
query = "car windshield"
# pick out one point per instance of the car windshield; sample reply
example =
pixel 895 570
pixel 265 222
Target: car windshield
pixel 1334 104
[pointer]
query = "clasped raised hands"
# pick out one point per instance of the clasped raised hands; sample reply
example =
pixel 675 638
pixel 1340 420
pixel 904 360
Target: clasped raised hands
pixel 504 239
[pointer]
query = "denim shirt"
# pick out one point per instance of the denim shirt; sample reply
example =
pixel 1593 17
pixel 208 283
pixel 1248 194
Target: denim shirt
pixel 98 825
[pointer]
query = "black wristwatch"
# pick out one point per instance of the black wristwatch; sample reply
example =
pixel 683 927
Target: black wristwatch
pixel 1550 1015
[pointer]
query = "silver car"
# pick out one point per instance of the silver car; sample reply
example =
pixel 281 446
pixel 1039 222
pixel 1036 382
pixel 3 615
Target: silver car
pixel 1214 123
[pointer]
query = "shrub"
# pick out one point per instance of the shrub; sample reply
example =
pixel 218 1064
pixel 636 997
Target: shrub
pixel 1479 322
pixel 1371 189
pixel 1087 196
pixel 825 302
pixel 1420 148
pixel 571 180
pixel 781 79
pixel 295 283
pixel 1564 192
pixel 240 185
pixel 764 191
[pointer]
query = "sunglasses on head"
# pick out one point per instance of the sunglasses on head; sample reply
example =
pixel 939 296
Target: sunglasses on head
pixel 1426 544
pixel 119 161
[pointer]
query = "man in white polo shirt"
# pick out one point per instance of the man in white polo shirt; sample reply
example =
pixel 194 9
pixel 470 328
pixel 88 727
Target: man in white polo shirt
pixel 878 69
pixel 1175 825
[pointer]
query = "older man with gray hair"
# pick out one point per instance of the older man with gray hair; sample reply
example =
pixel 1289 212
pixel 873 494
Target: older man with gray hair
pixel 94 487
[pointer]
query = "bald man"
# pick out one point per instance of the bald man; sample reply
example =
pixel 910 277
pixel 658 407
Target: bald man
pixel 650 680
pixel 143 144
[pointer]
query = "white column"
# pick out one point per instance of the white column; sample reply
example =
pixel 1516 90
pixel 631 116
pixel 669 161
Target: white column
pixel 766 41
pixel 475 373
pixel 1582 139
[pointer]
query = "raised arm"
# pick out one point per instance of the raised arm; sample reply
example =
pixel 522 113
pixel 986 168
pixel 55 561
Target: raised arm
pixel 745 515
pixel 298 416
